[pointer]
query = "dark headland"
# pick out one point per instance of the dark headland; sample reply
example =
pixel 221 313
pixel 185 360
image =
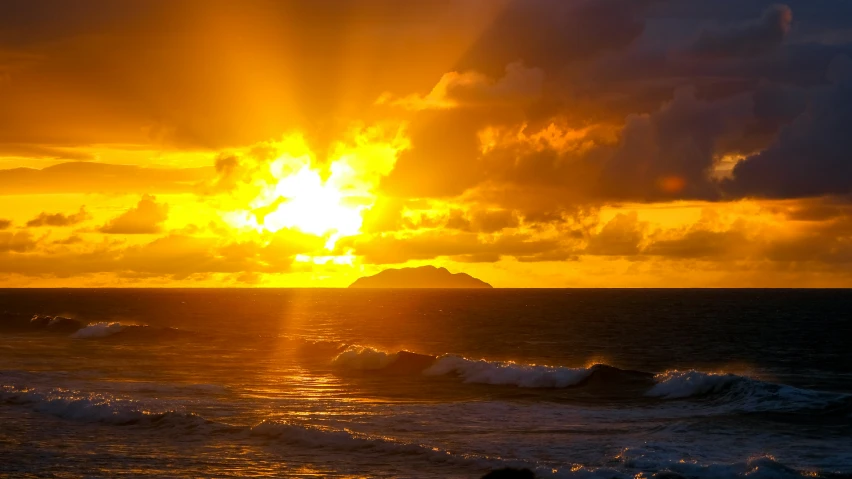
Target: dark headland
pixel 422 277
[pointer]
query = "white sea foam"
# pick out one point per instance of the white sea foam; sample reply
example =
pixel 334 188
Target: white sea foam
pixel 77 406
pixel 363 358
pixel 508 373
pixel 106 409
pixel 98 330
pixel 683 384
pixel 742 393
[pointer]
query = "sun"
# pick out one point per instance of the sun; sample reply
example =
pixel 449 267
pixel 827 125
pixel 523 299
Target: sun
pixel 293 191
pixel 314 206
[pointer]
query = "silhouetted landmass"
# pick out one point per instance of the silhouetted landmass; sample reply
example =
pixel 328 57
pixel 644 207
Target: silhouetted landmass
pixel 422 277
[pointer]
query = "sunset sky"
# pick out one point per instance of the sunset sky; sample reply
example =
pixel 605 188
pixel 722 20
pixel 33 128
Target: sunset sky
pixel 529 143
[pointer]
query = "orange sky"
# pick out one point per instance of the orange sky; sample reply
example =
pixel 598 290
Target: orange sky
pixel 577 143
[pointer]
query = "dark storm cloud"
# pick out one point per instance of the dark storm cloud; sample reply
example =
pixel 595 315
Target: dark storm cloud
pixel 551 33
pixel 100 178
pixel 167 72
pixel 669 153
pixel 59 219
pixel 748 39
pixel 812 156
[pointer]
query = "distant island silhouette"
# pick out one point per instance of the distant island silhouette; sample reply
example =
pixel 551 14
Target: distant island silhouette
pixel 422 277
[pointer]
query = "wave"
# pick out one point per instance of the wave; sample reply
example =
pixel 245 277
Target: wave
pixel 481 371
pixel 364 358
pixel 744 393
pixel 104 409
pixel 78 329
pixel 97 408
pixel 508 373
pixel 98 330
pixel 55 323
pixel 736 393
pixel 346 440
pixel 367 359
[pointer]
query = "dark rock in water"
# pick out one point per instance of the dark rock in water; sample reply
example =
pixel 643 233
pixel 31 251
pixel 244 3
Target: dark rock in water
pixel 510 473
pixel 423 277
pixel 667 475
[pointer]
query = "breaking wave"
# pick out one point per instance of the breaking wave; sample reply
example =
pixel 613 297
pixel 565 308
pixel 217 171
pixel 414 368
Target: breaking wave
pixel 733 392
pixel 77 329
pixel 747 394
pixel 98 330
pixel 77 406
pixel 55 323
pixel 508 373
pixel 364 358
pixel 104 409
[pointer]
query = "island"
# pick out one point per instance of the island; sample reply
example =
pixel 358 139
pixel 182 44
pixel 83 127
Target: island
pixel 422 277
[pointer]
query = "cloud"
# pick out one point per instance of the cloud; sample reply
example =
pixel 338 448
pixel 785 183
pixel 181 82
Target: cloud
pixel 551 33
pixel 89 177
pixel 428 245
pixel 811 155
pixel 145 218
pixel 446 139
pixel 59 219
pixel 698 243
pixel 621 236
pixel 173 256
pixel 44 152
pixel 483 221
pixel 19 242
pixel 747 39
pixel 5 224
pixel 668 154
pixel 519 85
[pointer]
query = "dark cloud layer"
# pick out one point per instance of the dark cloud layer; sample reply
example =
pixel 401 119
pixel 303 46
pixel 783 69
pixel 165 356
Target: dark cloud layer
pixel 551 33
pixel 748 39
pixel 811 156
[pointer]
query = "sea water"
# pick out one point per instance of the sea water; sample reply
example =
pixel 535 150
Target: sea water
pixel 425 383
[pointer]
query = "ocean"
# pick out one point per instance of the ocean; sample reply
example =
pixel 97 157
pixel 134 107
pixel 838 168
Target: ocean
pixel 425 383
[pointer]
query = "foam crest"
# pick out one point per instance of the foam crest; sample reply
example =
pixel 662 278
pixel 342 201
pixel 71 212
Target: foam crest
pixel 684 384
pixel 58 323
pixel 97 408
pixel 346 440
pixel 745 394
pixel 508 373
pixel 363 358
pixel 98 330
